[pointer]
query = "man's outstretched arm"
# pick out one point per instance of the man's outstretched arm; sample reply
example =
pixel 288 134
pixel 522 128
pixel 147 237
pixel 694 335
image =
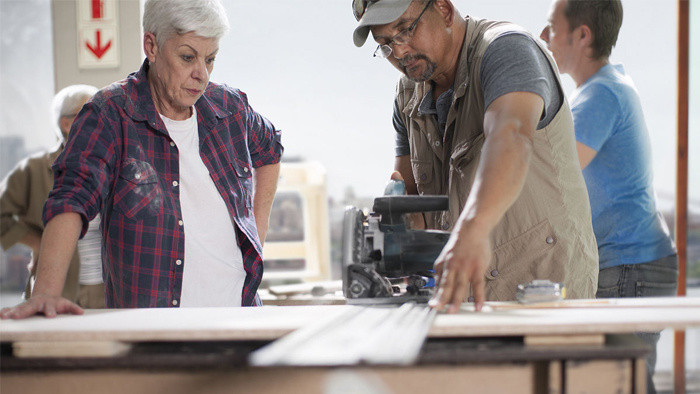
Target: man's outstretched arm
pixel 509 126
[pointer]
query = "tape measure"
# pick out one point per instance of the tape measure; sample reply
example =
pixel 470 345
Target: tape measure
pixel 540 290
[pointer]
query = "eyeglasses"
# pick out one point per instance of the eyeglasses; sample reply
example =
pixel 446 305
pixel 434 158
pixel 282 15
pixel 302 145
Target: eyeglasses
pixel 401 38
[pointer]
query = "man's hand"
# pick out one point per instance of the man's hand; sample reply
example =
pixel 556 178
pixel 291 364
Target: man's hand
pixel 416 220
pixel 463 260
pixel 49 306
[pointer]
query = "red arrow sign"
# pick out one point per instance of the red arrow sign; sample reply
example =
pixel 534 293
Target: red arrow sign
pixel 98 50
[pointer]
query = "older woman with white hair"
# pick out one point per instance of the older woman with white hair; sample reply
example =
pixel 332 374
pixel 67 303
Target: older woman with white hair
pixel 182 170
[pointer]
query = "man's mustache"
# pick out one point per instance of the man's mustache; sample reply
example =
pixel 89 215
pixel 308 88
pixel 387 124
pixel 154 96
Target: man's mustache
pixel 404 61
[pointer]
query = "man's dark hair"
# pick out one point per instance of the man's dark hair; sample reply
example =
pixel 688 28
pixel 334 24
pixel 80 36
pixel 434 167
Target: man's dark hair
pixel 603 17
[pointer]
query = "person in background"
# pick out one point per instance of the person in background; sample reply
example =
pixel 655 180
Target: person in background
pixel 23 194
pixel 637 256
pixel 480 117
pixel 181 170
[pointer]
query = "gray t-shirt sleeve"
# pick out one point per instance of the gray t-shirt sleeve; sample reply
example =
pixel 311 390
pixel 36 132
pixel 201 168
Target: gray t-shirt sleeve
pixel 402 147
pixel 514 63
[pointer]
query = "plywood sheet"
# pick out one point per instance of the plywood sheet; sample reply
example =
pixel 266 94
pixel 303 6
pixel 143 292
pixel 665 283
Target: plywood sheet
pixel 167 324
pixel 271 322
pixel 571 318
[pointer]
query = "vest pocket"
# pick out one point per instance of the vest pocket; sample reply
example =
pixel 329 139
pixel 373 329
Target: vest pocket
pixel 423 174
pixel 522 259
pixel 465 153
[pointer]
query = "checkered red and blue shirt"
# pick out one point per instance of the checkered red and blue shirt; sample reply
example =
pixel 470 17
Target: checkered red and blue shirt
pixel 120 161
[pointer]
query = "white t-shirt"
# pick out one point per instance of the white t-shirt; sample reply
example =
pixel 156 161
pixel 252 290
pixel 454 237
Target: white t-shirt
pixel 213 273
pixel 90 253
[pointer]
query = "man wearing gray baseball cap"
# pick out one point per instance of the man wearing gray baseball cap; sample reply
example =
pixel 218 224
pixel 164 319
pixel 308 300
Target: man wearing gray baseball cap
pixel 480 117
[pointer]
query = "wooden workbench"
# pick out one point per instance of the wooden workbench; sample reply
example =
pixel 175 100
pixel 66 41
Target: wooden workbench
pixel 205 349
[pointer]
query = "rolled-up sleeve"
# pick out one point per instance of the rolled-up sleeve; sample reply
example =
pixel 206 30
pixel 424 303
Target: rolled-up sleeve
pixel 83 170
pixel 264 140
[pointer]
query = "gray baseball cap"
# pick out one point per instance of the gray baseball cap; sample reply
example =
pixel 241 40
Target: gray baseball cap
pixel 379 13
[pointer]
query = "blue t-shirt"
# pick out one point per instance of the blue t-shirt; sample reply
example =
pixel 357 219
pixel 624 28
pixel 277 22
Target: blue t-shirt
pixel 608 118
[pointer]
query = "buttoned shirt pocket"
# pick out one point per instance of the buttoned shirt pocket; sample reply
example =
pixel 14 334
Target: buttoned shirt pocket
pixel 138 192
pixel 528 256
pixel 244 175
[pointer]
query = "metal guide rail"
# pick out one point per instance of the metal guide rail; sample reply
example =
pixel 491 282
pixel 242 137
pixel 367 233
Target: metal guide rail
pixel 361 335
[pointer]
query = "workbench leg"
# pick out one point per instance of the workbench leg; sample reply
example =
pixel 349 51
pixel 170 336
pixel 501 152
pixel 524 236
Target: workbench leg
pixel 640 376
pixel 555 378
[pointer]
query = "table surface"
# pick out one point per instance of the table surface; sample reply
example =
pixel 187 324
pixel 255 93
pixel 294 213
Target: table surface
pixel 570 317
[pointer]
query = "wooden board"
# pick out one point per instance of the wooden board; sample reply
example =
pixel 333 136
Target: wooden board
pixel 70 349
pixel 674 302
pixel 600 376
pixel 270 322
pixel 571 317
pixel 327 287
pixel 564 340
pixel 166 324
pixel 443 379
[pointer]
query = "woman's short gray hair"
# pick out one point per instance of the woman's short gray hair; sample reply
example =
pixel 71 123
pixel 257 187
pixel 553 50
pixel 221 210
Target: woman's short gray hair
pixel 163 18
pixel 69 100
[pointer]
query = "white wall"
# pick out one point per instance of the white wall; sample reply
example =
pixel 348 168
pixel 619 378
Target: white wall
pixel 333 101
pixel 296 61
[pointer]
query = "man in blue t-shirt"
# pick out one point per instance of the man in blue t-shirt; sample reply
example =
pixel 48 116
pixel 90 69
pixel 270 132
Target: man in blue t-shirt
pixel 637 256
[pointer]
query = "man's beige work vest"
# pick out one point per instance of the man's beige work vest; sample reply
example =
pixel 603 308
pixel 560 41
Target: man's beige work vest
pixel 547 233
pixel 22 199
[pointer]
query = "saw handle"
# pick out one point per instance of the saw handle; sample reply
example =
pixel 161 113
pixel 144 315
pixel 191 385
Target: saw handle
pixel 397 205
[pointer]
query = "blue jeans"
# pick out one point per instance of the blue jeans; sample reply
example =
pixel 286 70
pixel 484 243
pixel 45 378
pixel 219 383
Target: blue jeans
pixel 656 278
